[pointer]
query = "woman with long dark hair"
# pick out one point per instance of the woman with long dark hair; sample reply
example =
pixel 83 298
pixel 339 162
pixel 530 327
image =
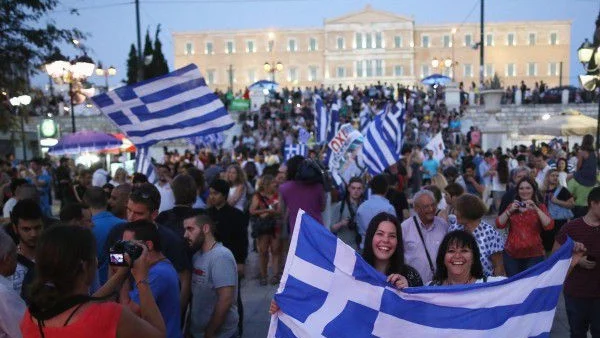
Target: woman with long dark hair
pixel 384 251
pixel 59 305
pixel 526 218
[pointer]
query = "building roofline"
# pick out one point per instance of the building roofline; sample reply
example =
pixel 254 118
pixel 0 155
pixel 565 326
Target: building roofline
pixel 252 30
pixel 366 9
pixel 494 23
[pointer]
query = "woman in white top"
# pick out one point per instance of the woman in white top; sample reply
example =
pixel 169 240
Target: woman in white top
pixel 561 166
pixel 238 190
pixel 119 178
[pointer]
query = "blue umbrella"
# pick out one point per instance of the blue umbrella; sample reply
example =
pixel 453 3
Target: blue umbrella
pixel 84 141
pixel 436 79
pixel 264 84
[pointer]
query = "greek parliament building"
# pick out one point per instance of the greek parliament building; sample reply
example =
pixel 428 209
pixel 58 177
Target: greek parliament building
pixel 369 45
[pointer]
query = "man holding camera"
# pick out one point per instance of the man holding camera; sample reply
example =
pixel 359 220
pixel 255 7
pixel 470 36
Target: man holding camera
pixel 213 311
pixel 162 277
pixel 345 213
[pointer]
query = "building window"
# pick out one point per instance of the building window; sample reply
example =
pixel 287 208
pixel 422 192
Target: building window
pixel 467 70
pixel 553 69
pixel 359 69
pixel 341 72
pixel 340 43
pixel 398 70
pixel 292 74
pixel 488 70
pixel 510 70
pixel 312 45
pixel 425 70
pixel 397 42
pixel 189 48
pixel 251 75
pixel 312 73
pixel 489 40
pixel 447 72
pixel 510 39
pixel 532 39
pixel 230 47
pixel 369 39
pixel 358 41
pixel 468 40
pixel 425 41
pixel 210 76
pixel 369 68
pixel 270 46
pixel 532 69
pixel 292 47
pixel 378 40
pixel 446 41
pixel 209 48
pixel 250 47
pixel 379 68
pixel 553 39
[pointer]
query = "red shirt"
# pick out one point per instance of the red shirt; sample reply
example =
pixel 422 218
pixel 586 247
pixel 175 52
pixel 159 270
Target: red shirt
pixel 524 239
pixel 582 282
pixel 99 320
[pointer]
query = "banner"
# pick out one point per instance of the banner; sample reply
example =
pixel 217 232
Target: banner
pixel 437 145
pixel 344 149
pixel 239 105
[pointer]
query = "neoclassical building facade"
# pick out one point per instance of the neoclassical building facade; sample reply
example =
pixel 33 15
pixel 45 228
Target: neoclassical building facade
pixel 371 45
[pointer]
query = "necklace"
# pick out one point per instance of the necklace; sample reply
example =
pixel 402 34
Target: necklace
pixel 468 281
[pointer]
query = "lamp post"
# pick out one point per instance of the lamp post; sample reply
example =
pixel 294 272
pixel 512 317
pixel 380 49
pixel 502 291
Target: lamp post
pixel 16 102
pixel 589 55
pixel 273 68
pixel 110 71
pixel 72 72
pixel 447 63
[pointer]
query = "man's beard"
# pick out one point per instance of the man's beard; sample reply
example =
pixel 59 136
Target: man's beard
pixel 196 245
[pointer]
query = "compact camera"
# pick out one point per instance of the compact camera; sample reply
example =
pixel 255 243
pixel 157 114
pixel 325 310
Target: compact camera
pixel 522 204
pixel 119 249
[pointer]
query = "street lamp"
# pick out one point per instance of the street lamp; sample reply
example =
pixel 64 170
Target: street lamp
pixel 72 72
pixel 589 55
pixel 110 71
pixel 447 63
pixel 273 68
pixel 16 102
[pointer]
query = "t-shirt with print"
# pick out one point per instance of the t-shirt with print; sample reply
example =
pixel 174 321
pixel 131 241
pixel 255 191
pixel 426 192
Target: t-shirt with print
pixel 489 241
pixel 212 270
pixel 164 283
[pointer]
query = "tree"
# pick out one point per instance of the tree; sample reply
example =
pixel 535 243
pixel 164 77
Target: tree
pixel 132 66
pixel 159 63
pixel 147 57
pixel 25 42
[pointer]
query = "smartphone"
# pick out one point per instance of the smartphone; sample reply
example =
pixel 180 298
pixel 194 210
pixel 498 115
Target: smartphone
pixel 117 259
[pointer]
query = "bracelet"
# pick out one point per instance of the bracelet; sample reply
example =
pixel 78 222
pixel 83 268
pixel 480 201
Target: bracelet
pixel 143 281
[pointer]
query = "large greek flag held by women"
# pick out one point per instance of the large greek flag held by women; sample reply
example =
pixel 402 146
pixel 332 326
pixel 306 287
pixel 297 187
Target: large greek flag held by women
pixel 327 290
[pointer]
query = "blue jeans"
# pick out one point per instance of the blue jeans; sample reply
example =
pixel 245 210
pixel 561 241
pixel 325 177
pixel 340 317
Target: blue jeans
pixel 583 314
pixel 513 266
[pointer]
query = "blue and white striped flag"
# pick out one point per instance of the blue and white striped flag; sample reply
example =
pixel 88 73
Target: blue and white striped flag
pixel 365 118
pixel 393 124
pixel 328 290
pixel 333 117
pixel 303 135
pixel 143 164
pixel 212 141
pixel 292 150
pixel 321 120
pixel 175 105
pixel 378 151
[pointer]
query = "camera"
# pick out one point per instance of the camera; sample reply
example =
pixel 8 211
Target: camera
pixel 120 248
pixel 522 204
pixel 352 224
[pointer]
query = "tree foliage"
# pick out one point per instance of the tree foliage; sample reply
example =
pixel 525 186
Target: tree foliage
pixel 132 66
pixel 159 64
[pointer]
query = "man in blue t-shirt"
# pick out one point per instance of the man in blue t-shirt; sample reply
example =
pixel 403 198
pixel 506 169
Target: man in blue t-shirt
pixel 103 222
pixel 42 180
pixel 162 277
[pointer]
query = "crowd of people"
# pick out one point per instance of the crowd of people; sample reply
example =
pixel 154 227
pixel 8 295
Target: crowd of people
pixel 129 257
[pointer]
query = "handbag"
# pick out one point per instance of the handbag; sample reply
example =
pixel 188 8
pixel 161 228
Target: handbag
pixel 556 211
pixel 262 225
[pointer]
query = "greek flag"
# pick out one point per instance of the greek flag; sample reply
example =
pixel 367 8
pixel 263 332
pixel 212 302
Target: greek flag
pixel 393 124
pixel 378 150
pixel 328 290
pixel 175 105
pixel 364 118
pixel 143 165
pixel 212 141
pixel 303 135
pixel 334 121
pixel 292 150
pixel 321 120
